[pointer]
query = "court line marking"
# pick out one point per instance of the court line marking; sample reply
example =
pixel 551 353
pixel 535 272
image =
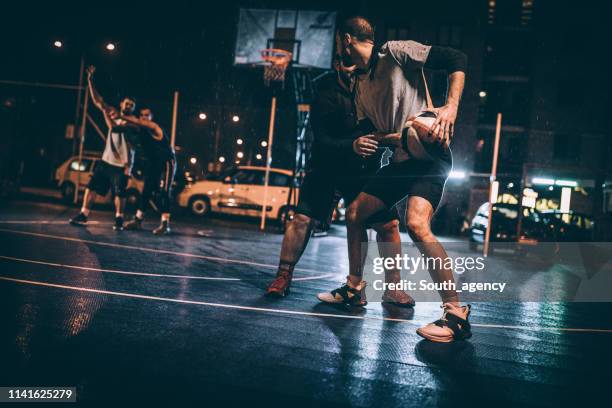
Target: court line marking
pixel 160 251
pixel 52 222
pixel 285 311
pixel 159 275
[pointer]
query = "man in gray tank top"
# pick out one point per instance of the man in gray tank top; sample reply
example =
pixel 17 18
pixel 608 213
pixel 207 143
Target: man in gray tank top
pixel 390 89
pixel 114 169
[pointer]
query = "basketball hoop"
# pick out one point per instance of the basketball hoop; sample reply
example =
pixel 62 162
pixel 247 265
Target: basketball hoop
pixel 276 62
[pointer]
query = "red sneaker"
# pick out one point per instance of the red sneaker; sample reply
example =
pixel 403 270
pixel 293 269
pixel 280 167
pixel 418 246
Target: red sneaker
pixel 280 286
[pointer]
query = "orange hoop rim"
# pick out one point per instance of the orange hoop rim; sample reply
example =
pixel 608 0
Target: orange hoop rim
pixel 276 56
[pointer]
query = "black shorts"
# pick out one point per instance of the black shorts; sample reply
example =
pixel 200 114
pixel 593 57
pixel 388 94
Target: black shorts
pixel 158 179
pixel 322 189
pixel 107 176
pixel 410 178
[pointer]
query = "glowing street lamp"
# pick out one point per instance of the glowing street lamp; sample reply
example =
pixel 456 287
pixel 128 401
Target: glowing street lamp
pixel 221 159
pixel 235 118
pixel 264 143
pixel 239 141
pixel 202 116
pixel 258 156
pixel 482 94
pixel 58 44
pixel 110 46
pixel 240 155
pixel 193 160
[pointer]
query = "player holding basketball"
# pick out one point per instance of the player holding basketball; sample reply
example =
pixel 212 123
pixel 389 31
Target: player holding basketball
pixel 158 172
pixel 114 170
pixel 389 90
pixel 334 167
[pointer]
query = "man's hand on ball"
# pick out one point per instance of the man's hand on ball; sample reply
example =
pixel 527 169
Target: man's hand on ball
pixel 365 146
pixel 443 128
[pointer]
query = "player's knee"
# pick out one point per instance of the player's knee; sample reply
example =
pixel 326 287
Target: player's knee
pixel 387 230
pixel 417 225
pixel 300 221
pixel 353 215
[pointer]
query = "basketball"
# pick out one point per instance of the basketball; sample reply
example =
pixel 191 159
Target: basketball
pixel 417 134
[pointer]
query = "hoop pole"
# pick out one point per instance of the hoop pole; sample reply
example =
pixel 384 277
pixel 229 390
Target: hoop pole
pixel 81 143
pixel 485 247
pixel 262 225
pixel 174 115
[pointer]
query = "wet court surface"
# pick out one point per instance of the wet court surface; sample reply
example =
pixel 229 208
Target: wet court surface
pixel 132 317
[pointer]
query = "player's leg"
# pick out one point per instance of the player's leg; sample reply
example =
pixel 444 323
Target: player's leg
pixel 389 246
pixel 98 184
pixel 359 211
pixel 119 182
pixel 149 185
pixel 316 201
pixel 165 197
pixel 454 323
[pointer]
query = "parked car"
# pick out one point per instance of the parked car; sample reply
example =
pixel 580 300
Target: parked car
pixel 537 226
pixel 67 174
pixel 240 191
pixel 569 227
pixel 505 218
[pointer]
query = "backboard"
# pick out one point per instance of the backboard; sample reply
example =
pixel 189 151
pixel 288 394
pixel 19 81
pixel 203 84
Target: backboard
pixel 307 34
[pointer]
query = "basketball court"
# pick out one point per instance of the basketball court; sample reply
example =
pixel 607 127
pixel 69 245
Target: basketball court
pixel 134 317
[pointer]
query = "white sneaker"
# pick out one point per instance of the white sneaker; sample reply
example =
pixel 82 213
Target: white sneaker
pixel 453 325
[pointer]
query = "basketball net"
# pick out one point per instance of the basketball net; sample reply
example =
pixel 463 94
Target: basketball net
pixel 276 62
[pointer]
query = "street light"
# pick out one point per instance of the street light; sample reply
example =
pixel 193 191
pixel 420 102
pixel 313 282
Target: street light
pixel 482 94
pixel 222 159
pixel 239 141
pixel 202 116
pixel 264 143
pixel 58 44
pixel 110 46
pixel 235 118
pixel 240 155
pixel 193 160
pixel 258 156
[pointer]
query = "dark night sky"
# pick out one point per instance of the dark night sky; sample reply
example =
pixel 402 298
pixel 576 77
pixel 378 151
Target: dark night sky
pixel 162 48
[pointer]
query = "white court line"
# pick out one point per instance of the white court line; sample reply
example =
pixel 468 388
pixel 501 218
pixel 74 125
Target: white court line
pixel 159 275
pixel 57 222
pixel 287 312
pixel 158 251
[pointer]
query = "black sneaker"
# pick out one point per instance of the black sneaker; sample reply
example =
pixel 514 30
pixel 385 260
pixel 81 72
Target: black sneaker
pixel 134 225
pixel 118 224
pixel 163 229
pixel 346 295
pixel 79 220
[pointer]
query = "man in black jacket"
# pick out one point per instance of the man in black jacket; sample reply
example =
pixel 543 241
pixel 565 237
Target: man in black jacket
pixel 341 162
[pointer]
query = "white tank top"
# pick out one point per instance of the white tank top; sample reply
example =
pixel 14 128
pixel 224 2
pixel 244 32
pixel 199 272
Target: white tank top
pixel 116 151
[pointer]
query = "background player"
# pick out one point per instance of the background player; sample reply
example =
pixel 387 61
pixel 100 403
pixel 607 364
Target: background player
pixel 159 170
pixel 114 170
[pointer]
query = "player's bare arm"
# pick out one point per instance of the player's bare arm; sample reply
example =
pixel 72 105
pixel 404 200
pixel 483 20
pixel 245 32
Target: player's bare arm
pixel 157 132
pixel 447 114
pixel 97 99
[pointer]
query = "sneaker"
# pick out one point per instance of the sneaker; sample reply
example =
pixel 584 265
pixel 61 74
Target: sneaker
pixel 118 224
pixel 398 298
pixel 280 286
pixel 134 225
pixel 346 295
pixel 163 229
pixel 79 220
pixel 453 325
